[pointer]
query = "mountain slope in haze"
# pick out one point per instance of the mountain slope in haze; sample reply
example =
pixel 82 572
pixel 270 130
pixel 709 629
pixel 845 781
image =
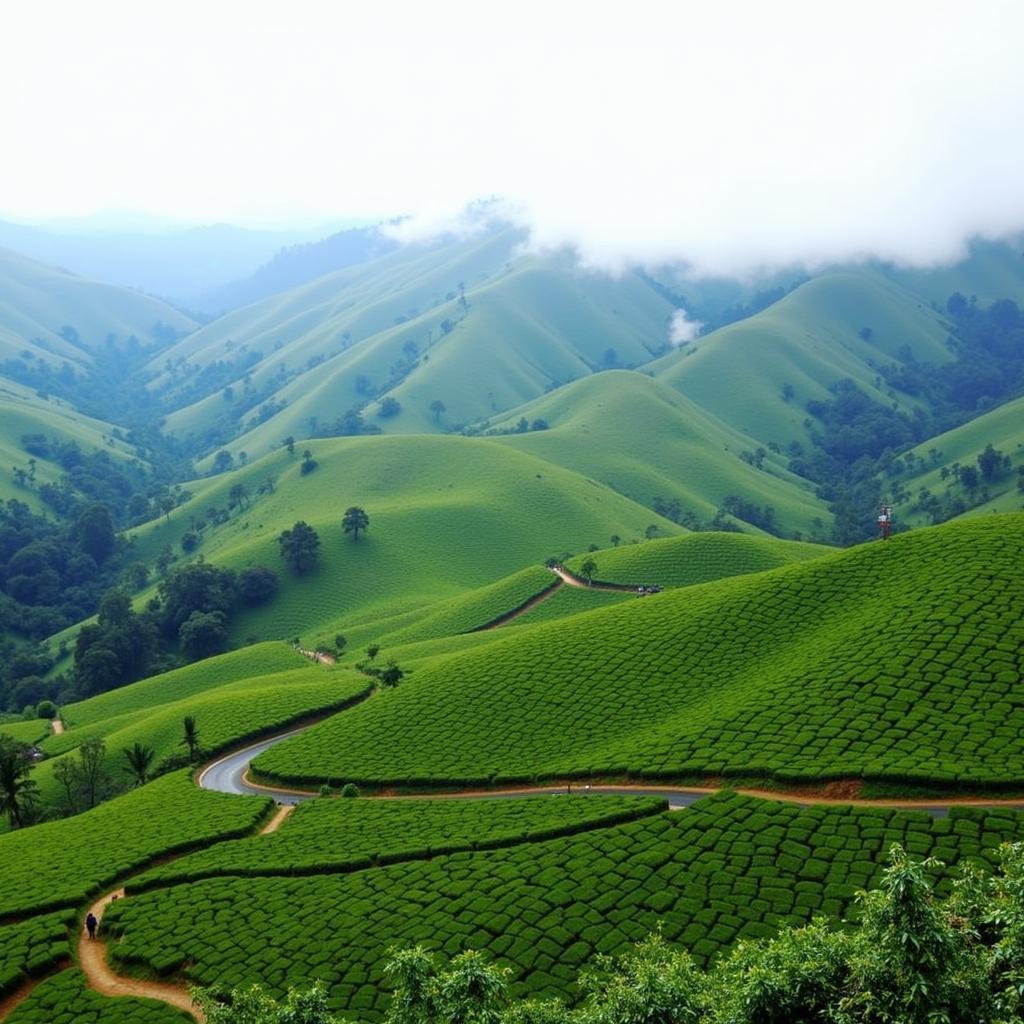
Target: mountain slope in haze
pixel 644 439
pixel 177 263
pixel 56 316
pixel 298 264
pixel 839 325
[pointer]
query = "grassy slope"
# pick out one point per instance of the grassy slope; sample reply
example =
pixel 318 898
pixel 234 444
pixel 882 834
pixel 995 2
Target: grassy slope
pixel 896 661
pixel 24 412
pixel 645 440
pixel 1003 427
pixel 809 340
pixel 447 514
pixel 696 558
pixel 36 301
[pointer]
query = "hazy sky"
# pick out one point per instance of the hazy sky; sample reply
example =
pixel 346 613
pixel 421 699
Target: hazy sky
pixel 729 134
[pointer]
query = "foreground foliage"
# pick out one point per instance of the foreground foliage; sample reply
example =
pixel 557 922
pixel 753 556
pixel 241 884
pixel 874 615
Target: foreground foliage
pixel 913 960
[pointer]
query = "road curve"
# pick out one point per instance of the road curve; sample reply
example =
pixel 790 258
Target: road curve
pixel 228 774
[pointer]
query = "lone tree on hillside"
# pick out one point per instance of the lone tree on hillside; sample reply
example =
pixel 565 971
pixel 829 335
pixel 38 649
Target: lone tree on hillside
pixel 300 547
pixel 391 675
pixel 588 570
pixel 354 520
pixel 437 407
pixel 190 738
pixel 139 759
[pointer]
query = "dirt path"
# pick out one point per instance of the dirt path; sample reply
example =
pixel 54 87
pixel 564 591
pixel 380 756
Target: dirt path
pixel 503 620
pixel 92 956
pixel 321 656
pixel 57 727
pixel 16 998
pixel 575 581
pixel 279 818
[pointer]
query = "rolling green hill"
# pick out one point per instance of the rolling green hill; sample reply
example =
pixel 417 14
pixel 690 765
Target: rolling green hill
pixel 808 340
pixel 645 440
pixel 895 662
pixel 38 303
pixel 447 514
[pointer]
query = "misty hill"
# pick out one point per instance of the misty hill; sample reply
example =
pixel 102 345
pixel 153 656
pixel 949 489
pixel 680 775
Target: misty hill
pixel 53 316
pixel 295 265
pixel 175 263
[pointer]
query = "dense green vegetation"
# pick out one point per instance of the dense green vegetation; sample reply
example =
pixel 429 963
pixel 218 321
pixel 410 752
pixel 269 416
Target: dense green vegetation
pixel 61 863
pixel 33 947
pixel 326 836
pixel 895 661
pixel 728 867
pixel 64 999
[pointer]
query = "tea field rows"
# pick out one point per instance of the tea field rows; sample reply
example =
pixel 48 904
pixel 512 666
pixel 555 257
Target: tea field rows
pixel 61 863
pixel 31 948
pixel 726 867
pixel 324 836
pixel 899 662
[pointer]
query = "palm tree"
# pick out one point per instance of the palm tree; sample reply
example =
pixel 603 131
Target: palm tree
pixel 191 739
pixel 17 791
pixel 139 759
pixel 354 520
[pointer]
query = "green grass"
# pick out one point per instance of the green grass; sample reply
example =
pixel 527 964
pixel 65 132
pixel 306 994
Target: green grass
pixel 695 558
pixel 727 867
pixel 31 948
pixel 897 662
pixel 26 732
pixel 810 339
pixel 645 440
pixel 447 515
pixel 61 863
pixel 64 999
pixel 325 836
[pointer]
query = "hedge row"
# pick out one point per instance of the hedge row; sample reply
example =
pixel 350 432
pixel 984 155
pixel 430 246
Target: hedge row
pixel 30 948
pixel 899 661
pixel 726 867
pixel 338 835
pixel 64 999
pixel 61 863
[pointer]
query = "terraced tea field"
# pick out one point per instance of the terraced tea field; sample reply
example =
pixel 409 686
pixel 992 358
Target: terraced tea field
pixel 726 867
pixel 347 835
pixel 31 948
pixel 898 662
pixel 61 863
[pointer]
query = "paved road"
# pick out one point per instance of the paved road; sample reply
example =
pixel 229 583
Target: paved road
pixel 227 775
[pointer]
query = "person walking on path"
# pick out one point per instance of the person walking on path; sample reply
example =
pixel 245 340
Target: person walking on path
pixel 90 924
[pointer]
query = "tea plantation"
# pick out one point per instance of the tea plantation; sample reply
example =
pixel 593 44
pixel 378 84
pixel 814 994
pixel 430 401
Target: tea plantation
pixel 899 662
pixel 696 558
pixel 61 863
pixel 728 866
pixel 31 948
pixel 64 999
pixel 336 835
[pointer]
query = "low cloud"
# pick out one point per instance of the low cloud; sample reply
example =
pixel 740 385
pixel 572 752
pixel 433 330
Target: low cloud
pixel 681 329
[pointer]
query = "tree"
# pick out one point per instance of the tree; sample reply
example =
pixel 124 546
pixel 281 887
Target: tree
pixel 300 547
pixel 389 407
pixel 993 463
pixel 615 539
pixel 223 461
pixel 588 569
pixel 339 642
pixel 437 407
pixel 650 531
pixel 139 759
pixel 238 495
pixel 254 1006
pixel 372 651
pixel 257 584
pixel 203 634
pixel 308 463
pixel 94 532
pixel 289 443
pixel 200 587
pixel 354 520
pixel 190 737
pixel 92 775
pixel 391 675
pixel 18 791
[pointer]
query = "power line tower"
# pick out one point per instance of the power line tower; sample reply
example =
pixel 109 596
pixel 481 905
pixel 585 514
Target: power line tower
pixel 885 521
